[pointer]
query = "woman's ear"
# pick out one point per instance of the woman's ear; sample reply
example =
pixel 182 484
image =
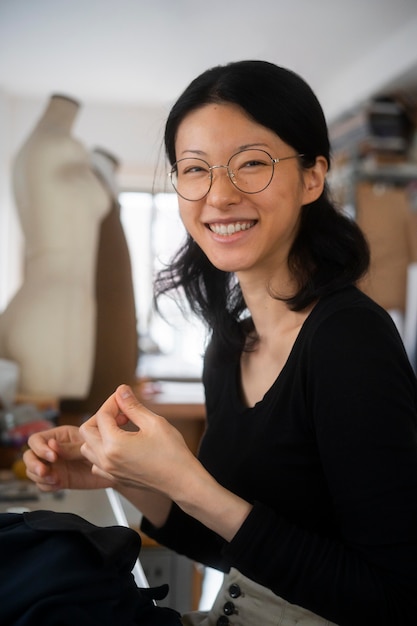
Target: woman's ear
pixel 314 179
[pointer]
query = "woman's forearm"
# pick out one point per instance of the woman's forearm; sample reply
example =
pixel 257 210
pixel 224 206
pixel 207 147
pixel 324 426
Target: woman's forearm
pixel 152 505
pixel 202 497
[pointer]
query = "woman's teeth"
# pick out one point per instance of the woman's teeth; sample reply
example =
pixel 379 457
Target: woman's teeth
pixel 230 229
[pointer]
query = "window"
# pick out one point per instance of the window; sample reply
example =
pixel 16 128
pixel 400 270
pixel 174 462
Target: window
pixel 154 232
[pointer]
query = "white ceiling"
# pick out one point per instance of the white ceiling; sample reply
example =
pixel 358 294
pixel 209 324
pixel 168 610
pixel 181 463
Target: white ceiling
pixel 146 51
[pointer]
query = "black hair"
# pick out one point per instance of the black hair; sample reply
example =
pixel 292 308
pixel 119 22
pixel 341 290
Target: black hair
pixel 329 251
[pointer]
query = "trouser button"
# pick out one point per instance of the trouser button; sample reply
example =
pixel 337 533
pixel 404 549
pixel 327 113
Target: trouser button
pixel 234 590
pixel 229 608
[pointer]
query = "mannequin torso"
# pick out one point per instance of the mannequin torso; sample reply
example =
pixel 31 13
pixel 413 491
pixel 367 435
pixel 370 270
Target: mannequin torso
pixel 49 326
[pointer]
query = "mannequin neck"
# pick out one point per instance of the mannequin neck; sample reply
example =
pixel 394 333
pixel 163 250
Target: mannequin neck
pixel 59 114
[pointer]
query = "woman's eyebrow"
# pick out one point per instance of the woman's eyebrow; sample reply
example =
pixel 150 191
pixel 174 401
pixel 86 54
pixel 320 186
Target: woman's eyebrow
pixel 189 151
pixel 245 146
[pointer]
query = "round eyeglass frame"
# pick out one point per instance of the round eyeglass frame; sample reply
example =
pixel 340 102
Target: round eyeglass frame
pixel 230 173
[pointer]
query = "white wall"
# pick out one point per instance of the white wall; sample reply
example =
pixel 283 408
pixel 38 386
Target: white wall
pixel 375 72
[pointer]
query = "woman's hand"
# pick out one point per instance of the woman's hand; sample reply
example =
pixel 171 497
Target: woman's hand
pixel 155 457
pixel 151 454
pixel 54 461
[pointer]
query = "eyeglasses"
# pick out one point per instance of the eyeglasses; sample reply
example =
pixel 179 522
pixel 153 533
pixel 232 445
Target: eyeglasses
pixel 250 171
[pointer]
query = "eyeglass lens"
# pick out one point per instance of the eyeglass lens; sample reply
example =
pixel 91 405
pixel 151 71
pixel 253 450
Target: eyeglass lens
pixel 250 171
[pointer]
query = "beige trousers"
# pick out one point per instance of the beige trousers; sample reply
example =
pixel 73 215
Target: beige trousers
pixel 241 602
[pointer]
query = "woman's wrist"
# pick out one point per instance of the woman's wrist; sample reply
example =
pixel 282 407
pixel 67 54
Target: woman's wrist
pixel 203 498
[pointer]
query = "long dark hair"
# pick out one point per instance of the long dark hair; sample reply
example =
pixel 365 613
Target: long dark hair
pixel 329 251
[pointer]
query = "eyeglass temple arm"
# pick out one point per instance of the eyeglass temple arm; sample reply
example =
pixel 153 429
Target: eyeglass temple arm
pixel 293 156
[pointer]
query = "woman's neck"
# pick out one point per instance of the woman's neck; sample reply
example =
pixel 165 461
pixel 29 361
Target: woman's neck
pixel 265 299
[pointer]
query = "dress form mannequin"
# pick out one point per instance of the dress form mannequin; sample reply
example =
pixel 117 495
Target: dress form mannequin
pixel 116 345
pixel 49 326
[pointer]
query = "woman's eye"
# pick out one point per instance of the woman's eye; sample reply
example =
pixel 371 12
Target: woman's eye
pixel 194 169
pixel 252 163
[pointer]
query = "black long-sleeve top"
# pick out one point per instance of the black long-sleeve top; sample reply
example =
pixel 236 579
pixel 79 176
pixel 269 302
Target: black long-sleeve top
pixel 329 460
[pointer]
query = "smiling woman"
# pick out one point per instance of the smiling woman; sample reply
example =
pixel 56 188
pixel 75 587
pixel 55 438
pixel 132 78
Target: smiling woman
pixel 304 490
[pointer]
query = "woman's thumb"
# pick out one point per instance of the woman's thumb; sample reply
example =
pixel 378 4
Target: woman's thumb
pixel 129 404
pixel 126 397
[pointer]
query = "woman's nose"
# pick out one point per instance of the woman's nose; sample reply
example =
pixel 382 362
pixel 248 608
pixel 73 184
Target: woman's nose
pixel 222 190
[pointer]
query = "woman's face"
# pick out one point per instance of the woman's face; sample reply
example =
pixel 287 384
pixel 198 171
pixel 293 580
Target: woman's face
pixel 242 232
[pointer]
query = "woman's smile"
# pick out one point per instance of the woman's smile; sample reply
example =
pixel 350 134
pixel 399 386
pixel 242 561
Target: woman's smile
pixel 230 228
